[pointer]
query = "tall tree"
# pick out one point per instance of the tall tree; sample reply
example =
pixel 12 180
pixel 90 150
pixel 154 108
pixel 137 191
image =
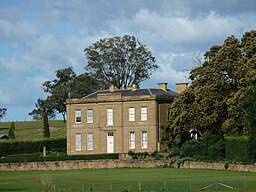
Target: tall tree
pixel 46 128
pixel 11 132
pixel 40 105
pixel 121 61
pixel 2 112
pixel 218 95
pixel 60 89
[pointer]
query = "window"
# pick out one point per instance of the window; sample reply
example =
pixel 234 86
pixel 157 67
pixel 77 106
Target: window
pixel 131 114
pixel 89 116
pixel 109 116
pixel 131 140
pixel 78 116
pixel 144 114
pixel 89 141
pixel 78 139
pixel 144 139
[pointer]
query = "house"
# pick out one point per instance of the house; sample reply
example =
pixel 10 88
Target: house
pixel 118 121
pixel 4 136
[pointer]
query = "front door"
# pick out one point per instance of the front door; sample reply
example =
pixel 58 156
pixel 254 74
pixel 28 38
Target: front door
pixel 110 142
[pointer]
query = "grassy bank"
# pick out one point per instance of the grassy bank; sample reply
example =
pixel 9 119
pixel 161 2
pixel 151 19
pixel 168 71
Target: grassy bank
pixel 127 179
pixel 34 129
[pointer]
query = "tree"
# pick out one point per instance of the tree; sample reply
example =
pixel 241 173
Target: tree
pixel 45 124
pixel 60 89
pixel 40 105
pixel 250 116
pixel 2 112
pixel 120 61
pixel 217 99
pixel 11 132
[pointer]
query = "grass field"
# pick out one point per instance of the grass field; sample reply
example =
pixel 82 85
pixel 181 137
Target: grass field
pixel 128 179
pixel 34 129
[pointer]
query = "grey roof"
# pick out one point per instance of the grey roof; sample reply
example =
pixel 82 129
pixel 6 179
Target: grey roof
pixel 134 92
pixel 3 136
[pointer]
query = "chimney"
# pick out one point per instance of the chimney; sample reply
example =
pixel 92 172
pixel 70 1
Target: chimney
pixel 112 87
pixel 132 87
pixel 180 87
pixel 162 86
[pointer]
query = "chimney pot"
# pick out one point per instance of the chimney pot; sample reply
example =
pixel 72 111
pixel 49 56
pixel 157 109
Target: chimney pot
pixel 162 86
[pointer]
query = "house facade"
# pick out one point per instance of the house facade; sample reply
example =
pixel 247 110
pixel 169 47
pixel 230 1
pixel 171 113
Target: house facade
pixel 118 121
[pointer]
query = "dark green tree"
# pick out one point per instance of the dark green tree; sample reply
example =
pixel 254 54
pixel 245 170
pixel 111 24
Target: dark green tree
pixel 46 128
pixel 11 132
pixel 38 111
pixel 251 116
pixel 60 89
pixel 120 61
pixel 217 99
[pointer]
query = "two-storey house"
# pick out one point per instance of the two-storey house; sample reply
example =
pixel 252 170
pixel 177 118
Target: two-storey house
pixel 117 121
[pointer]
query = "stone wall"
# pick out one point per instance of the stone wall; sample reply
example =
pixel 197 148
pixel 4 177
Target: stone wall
pixel 218 166
pixel 98 164
pixel 81 164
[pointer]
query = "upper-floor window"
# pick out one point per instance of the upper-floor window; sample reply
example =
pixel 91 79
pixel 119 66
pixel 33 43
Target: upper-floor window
pixel 78 115
pixel 110 116
pixel 144 139
pixel 144 114
pixel 89 116
pixel 78 141
pixel 89 141
pixel 131 114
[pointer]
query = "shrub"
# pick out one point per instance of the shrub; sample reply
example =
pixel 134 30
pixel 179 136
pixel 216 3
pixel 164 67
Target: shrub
pixel 240 149
pixel 9 147
pixel 192 148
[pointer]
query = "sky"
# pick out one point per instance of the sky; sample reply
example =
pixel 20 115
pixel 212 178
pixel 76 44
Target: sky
pixel 38 37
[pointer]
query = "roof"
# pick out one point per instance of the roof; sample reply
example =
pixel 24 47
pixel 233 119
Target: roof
pixel 134 92
pixel 4 136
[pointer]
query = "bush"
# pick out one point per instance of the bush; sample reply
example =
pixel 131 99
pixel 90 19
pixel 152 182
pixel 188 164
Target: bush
pixel 192 148
pixel 240 150
pixel 37 157
pixel 9 147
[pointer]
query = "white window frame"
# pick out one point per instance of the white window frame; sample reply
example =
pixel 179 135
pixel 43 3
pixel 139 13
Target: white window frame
pixel 144 113
pixel 89 141
pixel 144 140
pixel 89 115
pixel 131 140
pixel 110 116
pixel 78 116
pixel 78 141
pixel 131 113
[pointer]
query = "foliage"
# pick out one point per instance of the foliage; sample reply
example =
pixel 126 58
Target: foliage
pixel 120 61
pixel 54 156
pixel 10 147
pixel 144 155
pixel 41 104
pixel 66 85
pixel 192 148
pixel 45 124
pixel 217 100
pixel 251 115
pixel 240 150
pixel 2 112
pixel 11 132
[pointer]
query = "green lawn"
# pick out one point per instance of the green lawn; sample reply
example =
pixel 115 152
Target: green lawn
pixel 127 179
pixel 34 129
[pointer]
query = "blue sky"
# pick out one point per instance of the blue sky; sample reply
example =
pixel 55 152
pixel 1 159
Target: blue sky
pixel 38 37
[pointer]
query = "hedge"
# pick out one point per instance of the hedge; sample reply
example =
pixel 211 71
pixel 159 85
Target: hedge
pixel 37 157
pixel 9 147
pixel 240 150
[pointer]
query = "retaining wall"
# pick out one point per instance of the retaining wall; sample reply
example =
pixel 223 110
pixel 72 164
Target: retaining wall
pixel 98 164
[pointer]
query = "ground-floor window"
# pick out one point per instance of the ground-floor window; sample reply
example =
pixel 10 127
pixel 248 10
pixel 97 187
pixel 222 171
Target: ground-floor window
pixel 78 141
pixel 89 141
pixel 131 140
pixel 144 139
